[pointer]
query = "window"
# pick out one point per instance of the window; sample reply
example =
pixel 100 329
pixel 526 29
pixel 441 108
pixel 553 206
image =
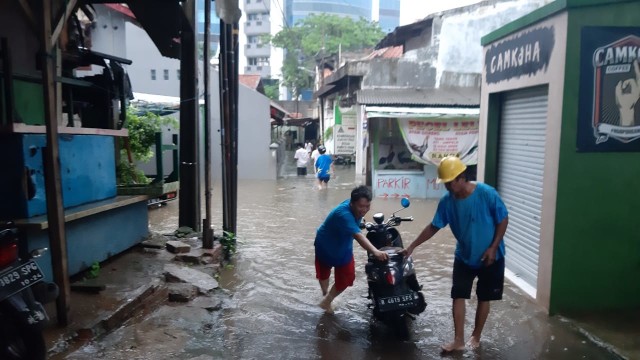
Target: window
pixel 166 74
pixel 178 74
pixel 253 39
pixel 153 74
pixel 262 61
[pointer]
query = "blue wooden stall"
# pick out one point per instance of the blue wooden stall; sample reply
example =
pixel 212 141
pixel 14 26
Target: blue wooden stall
pixel 98 223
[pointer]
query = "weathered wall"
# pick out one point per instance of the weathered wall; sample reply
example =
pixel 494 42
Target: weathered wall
pixel 459 48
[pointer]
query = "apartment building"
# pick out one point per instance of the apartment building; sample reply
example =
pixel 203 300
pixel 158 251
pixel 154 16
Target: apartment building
pixel 267 17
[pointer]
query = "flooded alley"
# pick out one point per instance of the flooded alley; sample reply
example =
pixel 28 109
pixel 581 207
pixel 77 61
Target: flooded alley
pixel 274 313
pixel 272 310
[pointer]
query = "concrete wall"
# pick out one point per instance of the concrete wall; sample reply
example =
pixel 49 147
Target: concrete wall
pixel 145 56
pixel 488 161
pixel 255 160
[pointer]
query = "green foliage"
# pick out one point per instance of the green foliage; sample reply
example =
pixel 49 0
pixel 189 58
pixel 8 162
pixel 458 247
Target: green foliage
pixel 321 35
pixel 127 173
pixel 94 270
pixel 228 242
pixel 272 91
pixel 142 138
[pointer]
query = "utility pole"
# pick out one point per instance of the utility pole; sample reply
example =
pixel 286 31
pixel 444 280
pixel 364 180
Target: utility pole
pixel 189 204
pixel 229 123
pixel 207 230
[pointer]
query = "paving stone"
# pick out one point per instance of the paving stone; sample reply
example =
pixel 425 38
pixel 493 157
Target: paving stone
pixel 155 241
pixel 182 292
pixel 208 303
pixel 178 247
pixel 189 258
pixel 175 273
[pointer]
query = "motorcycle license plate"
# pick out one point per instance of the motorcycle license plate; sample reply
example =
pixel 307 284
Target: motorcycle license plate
pixel 398 302
pixel 19 278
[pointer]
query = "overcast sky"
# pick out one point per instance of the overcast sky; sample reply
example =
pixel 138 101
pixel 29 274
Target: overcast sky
pixel 414 10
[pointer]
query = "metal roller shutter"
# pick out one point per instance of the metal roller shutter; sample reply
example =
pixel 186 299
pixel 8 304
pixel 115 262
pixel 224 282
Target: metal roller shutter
pixel 520 172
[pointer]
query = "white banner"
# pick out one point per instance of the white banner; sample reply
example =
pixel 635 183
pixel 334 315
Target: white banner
pixel 430 140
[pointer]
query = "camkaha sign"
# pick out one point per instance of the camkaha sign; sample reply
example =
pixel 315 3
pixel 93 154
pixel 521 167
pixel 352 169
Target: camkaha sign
pixel 609 102
pixel 525 54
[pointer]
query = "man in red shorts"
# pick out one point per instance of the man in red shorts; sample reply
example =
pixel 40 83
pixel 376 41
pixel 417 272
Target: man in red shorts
pixel 334 245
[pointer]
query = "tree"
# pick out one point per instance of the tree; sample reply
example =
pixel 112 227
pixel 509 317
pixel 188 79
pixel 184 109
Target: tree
pixel 320 35
pixel 272 91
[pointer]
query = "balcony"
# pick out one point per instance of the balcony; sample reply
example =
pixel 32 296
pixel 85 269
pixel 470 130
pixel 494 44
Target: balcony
pixel 253 6
pixel 257 27
pixel 257 50
pixel 262 70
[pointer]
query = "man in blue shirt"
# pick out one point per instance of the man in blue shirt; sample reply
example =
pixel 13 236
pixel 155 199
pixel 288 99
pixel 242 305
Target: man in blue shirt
pixel 324 168
pixel 478 219
pixel 334 245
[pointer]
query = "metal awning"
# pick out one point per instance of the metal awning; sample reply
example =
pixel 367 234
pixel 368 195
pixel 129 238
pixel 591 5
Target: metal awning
pixel 420 112
pixel 426 97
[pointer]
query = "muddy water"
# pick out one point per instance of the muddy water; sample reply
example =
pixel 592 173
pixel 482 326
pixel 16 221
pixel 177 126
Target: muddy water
pixel 274 315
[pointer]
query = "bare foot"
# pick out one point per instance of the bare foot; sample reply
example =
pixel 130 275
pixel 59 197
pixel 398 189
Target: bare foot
pixel 454 346
pixel 473 343
pixel 326 307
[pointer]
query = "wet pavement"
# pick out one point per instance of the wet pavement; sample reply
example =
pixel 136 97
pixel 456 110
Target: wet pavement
pixel 272 295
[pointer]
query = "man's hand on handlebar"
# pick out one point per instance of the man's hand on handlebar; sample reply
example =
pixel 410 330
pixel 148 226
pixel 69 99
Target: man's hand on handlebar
pixel 407 252
pixel 381 255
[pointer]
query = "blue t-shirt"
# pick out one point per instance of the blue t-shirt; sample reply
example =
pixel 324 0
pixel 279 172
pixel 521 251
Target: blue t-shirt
pixel 473 221
pixel 323 165
pixel 334 238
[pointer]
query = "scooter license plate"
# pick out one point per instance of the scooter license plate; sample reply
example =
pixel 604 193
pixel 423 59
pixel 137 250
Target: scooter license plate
pixel 398 302
pixel 19 278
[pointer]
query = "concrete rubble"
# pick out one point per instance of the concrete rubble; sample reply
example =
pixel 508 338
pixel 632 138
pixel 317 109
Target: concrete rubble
pixel 163 269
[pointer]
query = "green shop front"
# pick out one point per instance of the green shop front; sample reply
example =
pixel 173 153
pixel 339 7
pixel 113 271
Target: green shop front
pixel 560 140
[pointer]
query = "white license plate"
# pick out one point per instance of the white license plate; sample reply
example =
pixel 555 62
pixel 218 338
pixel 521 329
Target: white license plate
pixel 397 302
pixel 19 278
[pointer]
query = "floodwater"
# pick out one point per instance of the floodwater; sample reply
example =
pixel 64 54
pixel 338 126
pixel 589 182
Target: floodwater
pixel 273 312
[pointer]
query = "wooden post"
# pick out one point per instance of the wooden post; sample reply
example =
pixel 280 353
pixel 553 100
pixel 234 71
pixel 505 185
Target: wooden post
pixel 55 211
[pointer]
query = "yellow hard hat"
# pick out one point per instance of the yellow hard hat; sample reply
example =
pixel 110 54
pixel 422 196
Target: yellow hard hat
pixel 450 167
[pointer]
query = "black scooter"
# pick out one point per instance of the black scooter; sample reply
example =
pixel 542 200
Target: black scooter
pixel 22 293
pixel 393 286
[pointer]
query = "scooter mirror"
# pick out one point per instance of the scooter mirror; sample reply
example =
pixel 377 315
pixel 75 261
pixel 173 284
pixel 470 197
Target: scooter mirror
pixel 405 202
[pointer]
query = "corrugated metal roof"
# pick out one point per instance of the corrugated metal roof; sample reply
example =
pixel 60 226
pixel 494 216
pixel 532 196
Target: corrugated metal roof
pixel 463 96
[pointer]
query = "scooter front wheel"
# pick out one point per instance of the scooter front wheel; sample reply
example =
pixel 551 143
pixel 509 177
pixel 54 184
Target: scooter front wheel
pixel 19 342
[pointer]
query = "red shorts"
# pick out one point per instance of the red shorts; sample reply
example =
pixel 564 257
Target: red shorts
pixel 344 275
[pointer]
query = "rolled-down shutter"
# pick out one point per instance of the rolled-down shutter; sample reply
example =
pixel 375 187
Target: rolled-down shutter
pixel 520 176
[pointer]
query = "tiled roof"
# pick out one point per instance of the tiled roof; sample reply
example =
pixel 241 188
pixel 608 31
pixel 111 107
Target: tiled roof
pixel 250 81
pixel 468 97
pixel 391 52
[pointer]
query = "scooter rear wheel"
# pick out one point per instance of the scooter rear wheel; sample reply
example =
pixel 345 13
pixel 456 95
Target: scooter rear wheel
pixel 19 342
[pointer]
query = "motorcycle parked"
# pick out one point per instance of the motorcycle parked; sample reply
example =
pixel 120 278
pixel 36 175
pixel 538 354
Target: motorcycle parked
pixel 22 293
pixel 393 286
